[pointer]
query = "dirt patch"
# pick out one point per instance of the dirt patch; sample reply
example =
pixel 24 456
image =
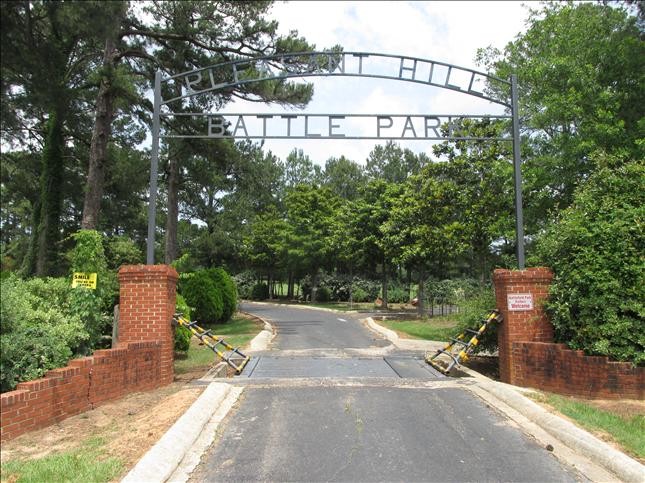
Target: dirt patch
pixel 130 426
pixel 485 365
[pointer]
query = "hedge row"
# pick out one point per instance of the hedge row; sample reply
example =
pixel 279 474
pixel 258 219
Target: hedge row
pixel 211 295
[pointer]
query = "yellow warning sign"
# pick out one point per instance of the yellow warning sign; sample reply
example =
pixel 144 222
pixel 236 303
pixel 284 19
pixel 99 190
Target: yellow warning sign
pixel 87 280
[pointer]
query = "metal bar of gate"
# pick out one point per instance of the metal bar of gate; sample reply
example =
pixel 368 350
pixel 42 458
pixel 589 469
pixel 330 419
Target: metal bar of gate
pixel 154 167
pixel 517 170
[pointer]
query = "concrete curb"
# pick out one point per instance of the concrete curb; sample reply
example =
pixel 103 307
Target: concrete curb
pixel 159 463
pixel 385 332
pixel 261 341
pixel 194 453
pixel 579 440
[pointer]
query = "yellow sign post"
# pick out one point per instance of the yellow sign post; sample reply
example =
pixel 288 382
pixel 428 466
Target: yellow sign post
pixel 87 280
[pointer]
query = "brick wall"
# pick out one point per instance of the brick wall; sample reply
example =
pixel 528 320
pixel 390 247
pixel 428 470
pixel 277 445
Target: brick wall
pixel 82 385
pixel 555 368
pixel 528 357
pixel 521 325
pixel 143 359
pixel 147 304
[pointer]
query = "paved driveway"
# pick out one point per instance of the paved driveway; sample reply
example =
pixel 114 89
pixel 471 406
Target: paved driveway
pixel 375 416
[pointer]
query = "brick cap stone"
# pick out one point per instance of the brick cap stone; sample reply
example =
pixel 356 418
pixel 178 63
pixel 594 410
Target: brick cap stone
pixel 538 274
pixel 128 271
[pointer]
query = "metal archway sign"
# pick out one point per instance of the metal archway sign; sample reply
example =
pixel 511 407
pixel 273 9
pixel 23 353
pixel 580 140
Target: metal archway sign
pixel 228 75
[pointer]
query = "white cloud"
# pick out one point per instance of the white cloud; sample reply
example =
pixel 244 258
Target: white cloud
pixel 443 31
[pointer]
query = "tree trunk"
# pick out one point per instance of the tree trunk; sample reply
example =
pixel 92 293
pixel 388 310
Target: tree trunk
pixel 173 210
pixel 270 284
pixel 51 184
pixel 421 295
pixel 101 134
pixel 290 286
pixel 384 285
pixel 314 285
pixel 29 262
pixel 351 286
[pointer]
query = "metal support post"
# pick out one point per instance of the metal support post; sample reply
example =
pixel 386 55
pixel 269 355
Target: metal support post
pixel 154 167
pixel 517 169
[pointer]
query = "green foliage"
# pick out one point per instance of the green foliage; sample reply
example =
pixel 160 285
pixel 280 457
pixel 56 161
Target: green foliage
pixel 244 282
pixel 260 291
pixel 88 254
pixel 203 296
pixel 343 177
pixel 42 327
pixel 182 339
pixel 473 312
pixel 93 306
pixel 182 307
pixel 596 251
pixel 226 286
pixel 184 264
pixel 580 71
pixel 323 294
pixel 360 295
pixel 398 294
pixel 121 250
pixel 182 334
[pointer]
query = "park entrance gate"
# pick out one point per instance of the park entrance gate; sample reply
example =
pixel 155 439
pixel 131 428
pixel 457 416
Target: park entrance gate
pixel 227 75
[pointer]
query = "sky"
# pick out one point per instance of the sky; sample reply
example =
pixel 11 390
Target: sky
pixel 447 31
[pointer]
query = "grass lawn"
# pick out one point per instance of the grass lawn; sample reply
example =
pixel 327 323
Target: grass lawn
pixel 627 430
pixel 435 328
pixel 87 463
pixel 238 332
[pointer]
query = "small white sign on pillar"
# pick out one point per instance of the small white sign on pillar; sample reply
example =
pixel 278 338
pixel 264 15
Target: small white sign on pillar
pixel 520 301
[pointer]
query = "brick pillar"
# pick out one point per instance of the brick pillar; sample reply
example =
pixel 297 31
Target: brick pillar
pixel 147 304
pixel 519 295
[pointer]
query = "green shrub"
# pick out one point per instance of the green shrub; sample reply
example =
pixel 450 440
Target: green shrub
pixel 182 307
pixel 260 291
pixel 398 295
pixel 339 285
pixel 28 353
pixel 359 295
pixel 371 287
pixel 323 294
pixel 41 328
pixel 182 339
pixel 473 312
pixel 596 252
pixel 182 334
pixel 226 286
pixel 244 282
pixel 202 296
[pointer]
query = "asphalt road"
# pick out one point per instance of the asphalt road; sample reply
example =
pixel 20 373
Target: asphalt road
pixel 333 426
pixel 299 329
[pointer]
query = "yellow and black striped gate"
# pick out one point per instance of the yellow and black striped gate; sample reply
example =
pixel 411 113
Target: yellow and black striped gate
pixel 231 355
pixel 458 349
